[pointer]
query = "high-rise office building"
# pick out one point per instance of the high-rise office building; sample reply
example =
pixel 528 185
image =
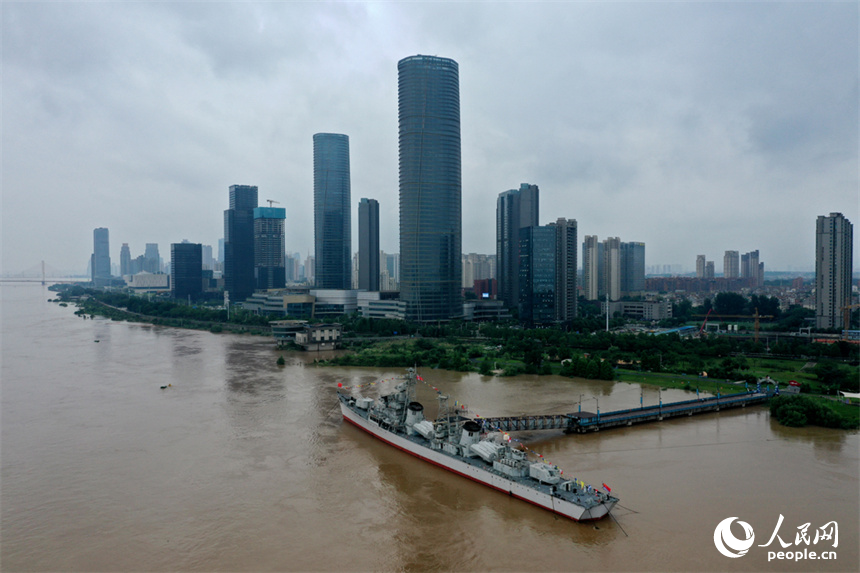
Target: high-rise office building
pixel 101 274
pixel 565 261
pixel 368 244
pixel 208 259
pixel 239 242
pixel 591 264
pixel 537 268
pixel 612 268
pixel 731 265
pixel 124 260
pixel 430 187
pixel 332 210
pixel 834 236
pixel 547 268
pixel 709 269
pixel 151 259
pixel 186 270
pixel 632 268
pixel 269 250
pixel 515 210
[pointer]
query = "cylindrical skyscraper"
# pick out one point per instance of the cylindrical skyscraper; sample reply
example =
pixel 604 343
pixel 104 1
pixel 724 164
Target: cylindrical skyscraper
pixel 332 228
pixel 430 188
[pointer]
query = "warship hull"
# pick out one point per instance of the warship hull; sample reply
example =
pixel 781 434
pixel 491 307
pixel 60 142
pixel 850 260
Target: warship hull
pixel 541 496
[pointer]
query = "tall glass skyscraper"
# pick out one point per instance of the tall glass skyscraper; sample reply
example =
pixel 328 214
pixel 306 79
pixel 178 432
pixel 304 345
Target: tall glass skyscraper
pixel 124 260
pixel 633 268
pixel 186 270
pixel 151 258
pixel 332 228
pixel 430 188
pixel 269 251
pixel 538 269
pixel 368 244
pixel 565 264
pixel 515 210
pixel 239 242
pixel 101 273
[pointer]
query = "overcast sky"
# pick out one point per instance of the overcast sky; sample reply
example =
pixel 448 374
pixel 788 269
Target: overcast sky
pixel 695 128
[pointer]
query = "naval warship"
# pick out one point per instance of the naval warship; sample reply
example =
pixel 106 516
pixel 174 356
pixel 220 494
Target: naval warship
pixel 464 446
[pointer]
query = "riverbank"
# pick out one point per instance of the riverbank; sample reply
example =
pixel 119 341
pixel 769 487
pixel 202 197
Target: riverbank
pixel 493 350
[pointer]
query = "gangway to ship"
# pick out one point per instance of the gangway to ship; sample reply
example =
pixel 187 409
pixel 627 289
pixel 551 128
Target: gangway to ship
pixel 581 422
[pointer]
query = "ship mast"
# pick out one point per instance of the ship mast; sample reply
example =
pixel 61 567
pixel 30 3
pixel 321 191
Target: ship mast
pixel 444 416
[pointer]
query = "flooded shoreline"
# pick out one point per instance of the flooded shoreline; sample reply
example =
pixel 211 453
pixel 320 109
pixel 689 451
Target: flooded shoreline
pixel 244 465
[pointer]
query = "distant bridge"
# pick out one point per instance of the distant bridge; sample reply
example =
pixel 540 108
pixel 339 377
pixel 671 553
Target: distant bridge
pixel 581 422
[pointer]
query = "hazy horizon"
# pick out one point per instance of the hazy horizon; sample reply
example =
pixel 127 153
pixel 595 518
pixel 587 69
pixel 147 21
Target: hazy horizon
pixel 695 128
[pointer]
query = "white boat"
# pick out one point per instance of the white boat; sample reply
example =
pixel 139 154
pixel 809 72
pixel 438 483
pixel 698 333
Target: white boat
pixel 463 446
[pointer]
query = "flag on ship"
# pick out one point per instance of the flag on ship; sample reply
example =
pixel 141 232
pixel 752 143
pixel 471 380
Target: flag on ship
pixel 606 487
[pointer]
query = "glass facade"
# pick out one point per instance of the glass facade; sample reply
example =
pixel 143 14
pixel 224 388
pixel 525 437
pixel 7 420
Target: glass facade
pixel 186 270
pixel 537 270
pixel 239 242
pixel 332 228
pixel 269 270
pixel 368 244
pixel 101 257
pixel 430 188
pixel 565 264
pixel 633 268
pixel 515 209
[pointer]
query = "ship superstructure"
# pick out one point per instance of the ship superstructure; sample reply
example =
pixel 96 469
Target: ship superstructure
pixel 464 446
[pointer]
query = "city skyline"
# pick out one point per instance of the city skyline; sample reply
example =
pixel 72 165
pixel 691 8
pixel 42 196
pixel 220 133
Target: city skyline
pixel 716 127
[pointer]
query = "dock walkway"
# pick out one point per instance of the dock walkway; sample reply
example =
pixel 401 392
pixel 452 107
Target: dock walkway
pixel 581 422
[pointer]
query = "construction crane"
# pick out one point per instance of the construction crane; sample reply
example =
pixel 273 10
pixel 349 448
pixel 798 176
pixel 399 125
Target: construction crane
pixel 704 322
pixel 270 201
pixel 756 316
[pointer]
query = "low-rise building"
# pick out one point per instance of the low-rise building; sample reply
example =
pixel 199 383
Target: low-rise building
pixel 320 336
pixel 296 303
pixel 642 310
pixel 334 302
pixel 148 282
pixel 485 311
pixel 285 331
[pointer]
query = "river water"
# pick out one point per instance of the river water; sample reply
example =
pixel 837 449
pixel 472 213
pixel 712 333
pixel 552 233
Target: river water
pixel 242 465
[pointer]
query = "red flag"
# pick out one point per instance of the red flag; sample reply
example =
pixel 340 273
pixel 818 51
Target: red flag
pixel 606 487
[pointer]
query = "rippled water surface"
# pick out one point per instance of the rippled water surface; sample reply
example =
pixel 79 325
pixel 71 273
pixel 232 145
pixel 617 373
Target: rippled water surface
pixel 241 465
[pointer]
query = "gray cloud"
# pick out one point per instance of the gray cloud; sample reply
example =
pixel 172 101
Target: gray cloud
pixel 695 128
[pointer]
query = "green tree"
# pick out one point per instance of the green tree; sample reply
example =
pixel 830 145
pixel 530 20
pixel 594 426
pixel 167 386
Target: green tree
pixel 592 370
pixel 729 303
pixel 606 371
